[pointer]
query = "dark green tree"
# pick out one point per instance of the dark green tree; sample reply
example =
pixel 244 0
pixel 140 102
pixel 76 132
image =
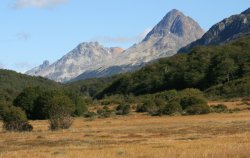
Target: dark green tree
pixel 26 99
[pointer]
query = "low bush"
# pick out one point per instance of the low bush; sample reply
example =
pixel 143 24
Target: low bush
pixel 220 108
pixel 105 112
pixel 197 109
pixel 123 109
pixel 15 119
pixel 172 108
pixel 141 108
pixel 147 106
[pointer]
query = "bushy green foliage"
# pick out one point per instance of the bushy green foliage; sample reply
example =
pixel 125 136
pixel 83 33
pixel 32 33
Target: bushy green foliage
pixel 26 99
pixel 14 119
pixel 147 106
pixel 123 109
pixel 79 103
pixel 193 102
pixel 3 106
pixel 60 109
pixel 35 102
pixel 197 109
pixel 172 108
pixel 187 101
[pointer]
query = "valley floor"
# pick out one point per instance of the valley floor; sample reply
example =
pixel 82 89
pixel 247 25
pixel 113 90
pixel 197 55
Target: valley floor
pixel 224 135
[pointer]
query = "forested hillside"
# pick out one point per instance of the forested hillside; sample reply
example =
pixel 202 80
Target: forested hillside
pixel 219 67
pixel 13 83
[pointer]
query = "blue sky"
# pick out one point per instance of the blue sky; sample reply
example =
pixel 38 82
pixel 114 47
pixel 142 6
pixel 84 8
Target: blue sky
pixel 35 30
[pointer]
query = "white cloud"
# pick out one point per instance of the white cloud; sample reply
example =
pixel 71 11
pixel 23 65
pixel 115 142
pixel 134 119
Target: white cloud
pixel 23 36
pixel 21 4
pixel 135 39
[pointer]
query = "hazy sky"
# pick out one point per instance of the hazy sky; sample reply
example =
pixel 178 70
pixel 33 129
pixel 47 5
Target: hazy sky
pixel 34 30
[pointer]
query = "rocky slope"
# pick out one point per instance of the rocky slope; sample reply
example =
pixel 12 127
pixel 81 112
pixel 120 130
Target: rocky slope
pixel 174 31
pixel 227 30
pixel 79 60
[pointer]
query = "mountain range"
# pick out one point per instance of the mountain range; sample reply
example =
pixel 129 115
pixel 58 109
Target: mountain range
pixel 174 33
pixel 90 60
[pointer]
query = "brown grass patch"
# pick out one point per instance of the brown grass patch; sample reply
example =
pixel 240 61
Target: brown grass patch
pixel 136 136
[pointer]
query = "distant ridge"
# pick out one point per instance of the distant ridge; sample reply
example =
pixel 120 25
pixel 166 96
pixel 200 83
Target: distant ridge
pixel 231 28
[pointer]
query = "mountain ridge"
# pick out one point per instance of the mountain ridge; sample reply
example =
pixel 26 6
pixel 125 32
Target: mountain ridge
pixel 228 29
pixel 73 63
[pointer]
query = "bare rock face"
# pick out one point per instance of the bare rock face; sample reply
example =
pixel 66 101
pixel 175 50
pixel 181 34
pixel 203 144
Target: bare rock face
pixel 227 30
pixel 79 60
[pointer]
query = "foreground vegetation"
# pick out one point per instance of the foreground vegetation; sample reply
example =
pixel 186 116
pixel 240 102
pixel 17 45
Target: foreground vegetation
pixel 225 135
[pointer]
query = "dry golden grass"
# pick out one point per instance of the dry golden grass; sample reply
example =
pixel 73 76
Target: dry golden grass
pixel 136 136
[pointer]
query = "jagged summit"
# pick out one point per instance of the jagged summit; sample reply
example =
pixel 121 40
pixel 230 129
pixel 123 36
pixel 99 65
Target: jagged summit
pixel 171 22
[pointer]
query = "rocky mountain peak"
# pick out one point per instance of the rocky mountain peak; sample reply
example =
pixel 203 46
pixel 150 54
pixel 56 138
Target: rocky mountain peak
pixel 175 23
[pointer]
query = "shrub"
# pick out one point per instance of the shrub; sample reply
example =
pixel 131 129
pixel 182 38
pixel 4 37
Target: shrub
pixel 148 106
pixel 172 108
pixel 105 112
pixel 192 100
pixel 60 110
pixel 60 119
pixel 141 108
pixel 197 109
pixel 14 119
pixel 123 109
pixel 219 108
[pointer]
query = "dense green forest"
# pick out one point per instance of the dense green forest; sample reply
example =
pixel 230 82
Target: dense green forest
pixel 218 70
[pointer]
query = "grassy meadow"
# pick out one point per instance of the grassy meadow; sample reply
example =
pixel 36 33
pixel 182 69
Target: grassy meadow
pixel 225 135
